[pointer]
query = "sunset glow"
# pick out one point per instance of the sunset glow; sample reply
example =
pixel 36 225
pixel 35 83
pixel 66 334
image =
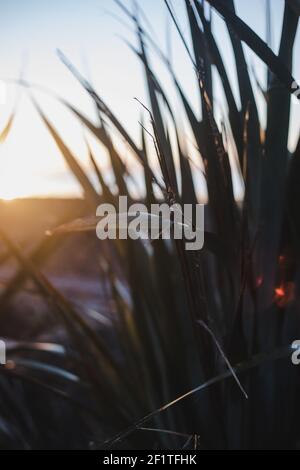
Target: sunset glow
pixel 30 163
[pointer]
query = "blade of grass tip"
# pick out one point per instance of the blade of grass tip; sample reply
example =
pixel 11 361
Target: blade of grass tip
pixel 89 191
pixel 137 8
pixel 132 15
pixel 245 86
pixel 124 8
pixel 161 159
pixel 200 47
pixel 98 131
pixel 155 83
pixel 102 107
pixel 105 189
pixel 255 43
pixel 118 167
pixel 180 34
pixel 116 162
pixel 234 115
pixel 5 131
pixel 256 361
pixel 100 103
pixel 196 126
pixel 226 360
pixel 83 224
pixel 158 119
pixel 119 20
pixel 101 133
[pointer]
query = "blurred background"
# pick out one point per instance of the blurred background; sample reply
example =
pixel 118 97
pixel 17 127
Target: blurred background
pixel 93 34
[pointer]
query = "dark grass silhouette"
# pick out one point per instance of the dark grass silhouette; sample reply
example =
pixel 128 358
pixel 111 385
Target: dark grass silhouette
pixel 199 353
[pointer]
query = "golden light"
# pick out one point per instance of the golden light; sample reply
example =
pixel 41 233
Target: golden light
pixel 284 294
pixel 17 171
pixel 28 157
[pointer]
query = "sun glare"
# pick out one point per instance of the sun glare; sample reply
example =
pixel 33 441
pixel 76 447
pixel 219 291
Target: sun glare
pixel 14 188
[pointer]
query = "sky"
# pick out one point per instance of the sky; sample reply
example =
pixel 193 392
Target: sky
pixel 93 35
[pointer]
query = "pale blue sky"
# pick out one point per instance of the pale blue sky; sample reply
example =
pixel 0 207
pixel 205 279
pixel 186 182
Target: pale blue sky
pixel 31 30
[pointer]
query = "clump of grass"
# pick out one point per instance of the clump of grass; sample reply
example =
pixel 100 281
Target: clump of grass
pixel 201 349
